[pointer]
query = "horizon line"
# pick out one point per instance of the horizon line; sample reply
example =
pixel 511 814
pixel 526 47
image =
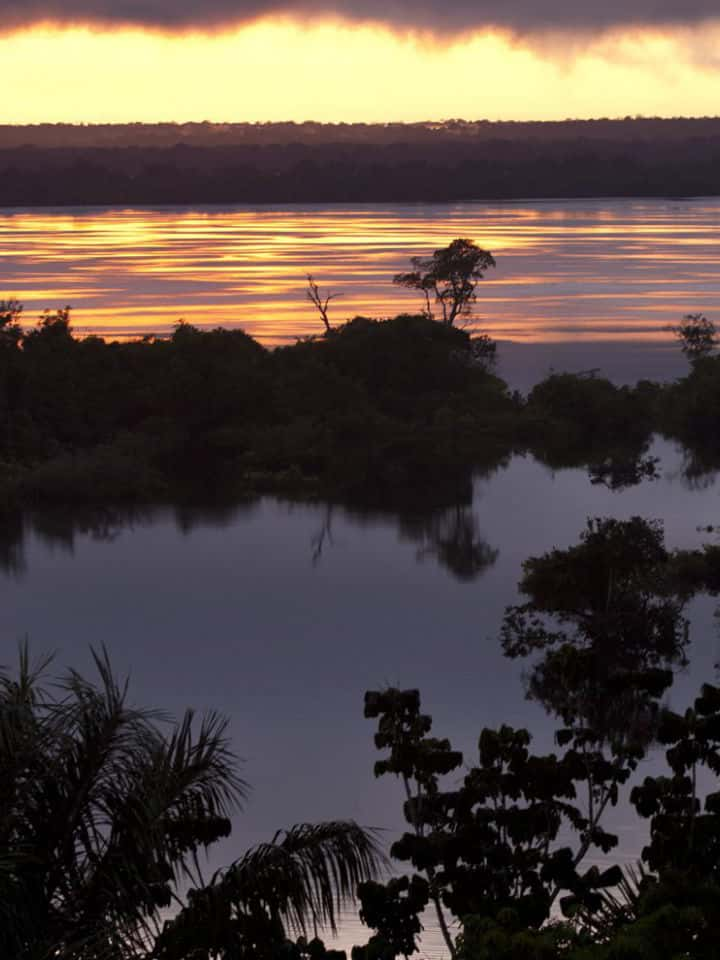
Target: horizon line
pixel 628 118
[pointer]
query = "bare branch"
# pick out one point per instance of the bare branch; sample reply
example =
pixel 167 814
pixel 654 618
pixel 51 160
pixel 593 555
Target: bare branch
pixel 315 297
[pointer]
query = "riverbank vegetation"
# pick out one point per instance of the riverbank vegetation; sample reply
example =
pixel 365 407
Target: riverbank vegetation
pixel 373 412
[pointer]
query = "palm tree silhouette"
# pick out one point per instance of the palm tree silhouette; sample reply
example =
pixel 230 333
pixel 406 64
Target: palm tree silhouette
pixel 104 809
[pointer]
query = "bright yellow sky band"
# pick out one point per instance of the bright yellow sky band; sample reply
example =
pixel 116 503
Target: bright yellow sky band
pixel 279 70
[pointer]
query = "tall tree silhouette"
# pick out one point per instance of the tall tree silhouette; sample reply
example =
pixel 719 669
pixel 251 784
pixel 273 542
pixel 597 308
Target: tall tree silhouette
pixel 697 335
pixel 450 276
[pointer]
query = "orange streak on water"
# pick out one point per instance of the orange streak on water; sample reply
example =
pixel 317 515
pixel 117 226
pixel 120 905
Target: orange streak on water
pixel 566 270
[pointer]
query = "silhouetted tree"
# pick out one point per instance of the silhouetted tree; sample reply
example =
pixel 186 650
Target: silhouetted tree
pixel 10 370
pixel 393 910
pixel 585 419
pixel 418 760
pixel 697 336
pixel 678 910
pixel 484 350
pixel 486 847
pixel 10 315
pixel 450 276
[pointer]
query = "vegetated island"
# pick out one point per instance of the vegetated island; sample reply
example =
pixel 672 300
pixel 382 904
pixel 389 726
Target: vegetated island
pixel 453 160
pixel 397 413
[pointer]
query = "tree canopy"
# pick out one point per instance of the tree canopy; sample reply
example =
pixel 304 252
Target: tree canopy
pixel 450 276
pixel 697 336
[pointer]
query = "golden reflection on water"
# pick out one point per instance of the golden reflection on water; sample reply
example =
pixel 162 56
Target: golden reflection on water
pixel 593 270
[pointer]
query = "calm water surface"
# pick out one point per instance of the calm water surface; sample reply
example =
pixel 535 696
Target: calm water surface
pixel 281 616
pixel 566 270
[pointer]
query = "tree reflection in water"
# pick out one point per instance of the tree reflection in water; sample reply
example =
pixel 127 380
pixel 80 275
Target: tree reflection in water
pixel 60 528
pixel 607 618
pixel 12 534
pixel 451 537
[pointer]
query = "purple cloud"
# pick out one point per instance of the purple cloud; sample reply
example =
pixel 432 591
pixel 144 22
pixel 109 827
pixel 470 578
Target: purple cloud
pixel 444 16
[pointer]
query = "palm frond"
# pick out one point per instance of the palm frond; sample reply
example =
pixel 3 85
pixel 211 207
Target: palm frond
pixel 101 810
pixel 304 876
pixel 619 905
pixel 308 872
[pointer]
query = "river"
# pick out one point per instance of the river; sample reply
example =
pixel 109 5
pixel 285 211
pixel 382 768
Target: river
pixel 282 615
pixel 575 279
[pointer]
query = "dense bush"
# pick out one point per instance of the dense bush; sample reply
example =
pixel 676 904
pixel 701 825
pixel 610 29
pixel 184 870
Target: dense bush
pixel 354 412
pixel 399 410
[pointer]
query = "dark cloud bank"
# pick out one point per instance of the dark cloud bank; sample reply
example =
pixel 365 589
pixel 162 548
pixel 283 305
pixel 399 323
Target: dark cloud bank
pixel 519 16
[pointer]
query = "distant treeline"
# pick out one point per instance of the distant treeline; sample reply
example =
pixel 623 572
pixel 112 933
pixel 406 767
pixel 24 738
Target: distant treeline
pixel 206 134
pixel 393 413
pixel 302 163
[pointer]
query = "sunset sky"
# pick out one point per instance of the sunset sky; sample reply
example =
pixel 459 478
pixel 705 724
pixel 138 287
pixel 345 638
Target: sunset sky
pixel 97 60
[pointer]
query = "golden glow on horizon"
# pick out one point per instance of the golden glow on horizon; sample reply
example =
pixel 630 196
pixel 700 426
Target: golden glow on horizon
pixel 278 70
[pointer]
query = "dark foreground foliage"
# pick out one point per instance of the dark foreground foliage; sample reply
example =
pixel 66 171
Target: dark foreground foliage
pixel 498 845
pixel 104 812
pixel 499 852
